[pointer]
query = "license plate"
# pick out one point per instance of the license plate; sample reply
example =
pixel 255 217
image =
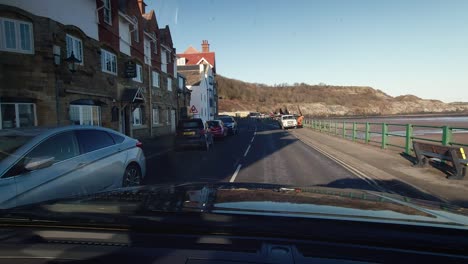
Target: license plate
pixel 189 133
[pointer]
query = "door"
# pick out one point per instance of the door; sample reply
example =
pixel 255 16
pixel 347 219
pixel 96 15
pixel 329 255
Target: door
pixel 102 158
pixel 56 181
pixel 173 121
pixel 125 116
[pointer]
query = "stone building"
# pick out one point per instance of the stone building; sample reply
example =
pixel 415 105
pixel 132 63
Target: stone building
pixel 105 68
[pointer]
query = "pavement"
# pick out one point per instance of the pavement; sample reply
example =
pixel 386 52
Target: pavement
pixel 389 169
pixel 264 153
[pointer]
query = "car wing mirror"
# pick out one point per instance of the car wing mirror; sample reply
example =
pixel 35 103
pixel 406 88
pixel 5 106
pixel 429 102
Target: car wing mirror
pixel 39 163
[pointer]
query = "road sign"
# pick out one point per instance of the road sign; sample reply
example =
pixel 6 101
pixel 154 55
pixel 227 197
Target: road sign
pixel 193 110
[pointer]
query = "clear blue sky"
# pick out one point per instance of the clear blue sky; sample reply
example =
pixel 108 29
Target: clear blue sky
pixel 398 46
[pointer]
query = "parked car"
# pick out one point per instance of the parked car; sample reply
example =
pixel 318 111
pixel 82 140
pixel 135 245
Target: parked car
pixel 230 123
pixel 288 121
pixel 39 164
pixel 193 133
pixel 217 128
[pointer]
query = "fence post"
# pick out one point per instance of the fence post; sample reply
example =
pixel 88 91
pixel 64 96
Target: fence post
pixel 354 131
pixel 367 132
pixel 344 129
pixel 446 136
pixel 320 125
pixel 384 135
pixel 409 138
pixel 329 126
pixel 336 128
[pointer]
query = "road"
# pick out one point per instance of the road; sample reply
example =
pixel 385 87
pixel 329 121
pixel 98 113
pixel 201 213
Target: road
pixel 261 153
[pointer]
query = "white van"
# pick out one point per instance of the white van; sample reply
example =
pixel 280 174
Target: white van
pixel 288 121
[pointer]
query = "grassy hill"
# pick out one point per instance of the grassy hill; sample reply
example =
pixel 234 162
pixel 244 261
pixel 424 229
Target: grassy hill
pixel 323 100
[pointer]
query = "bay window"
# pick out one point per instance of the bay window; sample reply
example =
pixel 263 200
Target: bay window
pixel 85 115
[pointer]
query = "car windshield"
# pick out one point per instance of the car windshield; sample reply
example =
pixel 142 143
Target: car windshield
pixel 226 119
pixel 9 144
pixel 213 124
pixel 307 108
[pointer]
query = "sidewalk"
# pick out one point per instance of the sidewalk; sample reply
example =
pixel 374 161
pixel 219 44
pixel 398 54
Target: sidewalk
pixel 387 168
pixel 156 146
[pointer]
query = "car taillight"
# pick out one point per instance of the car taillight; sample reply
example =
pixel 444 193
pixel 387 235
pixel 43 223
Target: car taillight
pixel 139 144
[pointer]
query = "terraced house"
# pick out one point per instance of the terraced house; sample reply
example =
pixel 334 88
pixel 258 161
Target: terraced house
pixel 110 66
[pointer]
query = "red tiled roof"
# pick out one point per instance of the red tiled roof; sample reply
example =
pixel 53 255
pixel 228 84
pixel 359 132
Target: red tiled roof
pixel 194 58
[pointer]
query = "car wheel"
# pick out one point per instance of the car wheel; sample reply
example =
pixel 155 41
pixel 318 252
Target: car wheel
pixel 132 176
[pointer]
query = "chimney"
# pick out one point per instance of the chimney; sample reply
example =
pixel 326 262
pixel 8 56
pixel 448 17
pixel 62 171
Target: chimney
pixel 205 46
pixel 142 5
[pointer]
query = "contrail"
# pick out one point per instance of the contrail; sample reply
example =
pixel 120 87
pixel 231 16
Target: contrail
pixel 176 15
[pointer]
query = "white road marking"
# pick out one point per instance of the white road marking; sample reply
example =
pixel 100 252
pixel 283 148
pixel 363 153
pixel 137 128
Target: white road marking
pixel 251 141
pixel 247 151
pixel 350 168
pixel 233 178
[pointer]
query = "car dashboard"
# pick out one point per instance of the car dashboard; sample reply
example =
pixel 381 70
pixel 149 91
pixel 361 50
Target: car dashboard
pixel 319 242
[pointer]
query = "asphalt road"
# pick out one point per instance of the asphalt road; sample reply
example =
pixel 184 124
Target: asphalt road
pixel 261 153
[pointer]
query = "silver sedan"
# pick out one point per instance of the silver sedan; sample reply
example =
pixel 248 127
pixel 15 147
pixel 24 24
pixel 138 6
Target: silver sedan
pixel 39 164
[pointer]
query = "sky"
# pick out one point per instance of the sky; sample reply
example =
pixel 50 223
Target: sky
pixel 398 46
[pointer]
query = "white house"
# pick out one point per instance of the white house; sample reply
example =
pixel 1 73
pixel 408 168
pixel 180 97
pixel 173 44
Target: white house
pixel 200 80
pixel 200 69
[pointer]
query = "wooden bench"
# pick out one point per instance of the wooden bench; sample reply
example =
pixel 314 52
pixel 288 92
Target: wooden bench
pixel 456 155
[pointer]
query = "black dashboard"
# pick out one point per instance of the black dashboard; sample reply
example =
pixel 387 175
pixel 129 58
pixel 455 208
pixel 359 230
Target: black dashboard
pixel 263 240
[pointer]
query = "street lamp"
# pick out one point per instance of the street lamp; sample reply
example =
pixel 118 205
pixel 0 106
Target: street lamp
pixel 72 62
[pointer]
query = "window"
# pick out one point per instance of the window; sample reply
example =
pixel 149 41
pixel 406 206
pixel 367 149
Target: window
pixel 16 36
pixel 155 46
pixel 107 12
pixel 125 36
pixel 167 116
pixel 108 62
pixel 155 77
pixel 138 116
pixel 117 138
pixel 181 61
pixel 136 32
pixel 181 83
pixel 14 115
pixel 163 61
pixel 169 84
pixel 155 116
pixel 62 147
pixel 139 74
pixel 75 45
pixel 147 47
pixel 85 115
pixel 91 140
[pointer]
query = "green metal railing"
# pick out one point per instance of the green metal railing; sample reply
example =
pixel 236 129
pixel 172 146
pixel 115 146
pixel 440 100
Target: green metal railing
pixel 368 132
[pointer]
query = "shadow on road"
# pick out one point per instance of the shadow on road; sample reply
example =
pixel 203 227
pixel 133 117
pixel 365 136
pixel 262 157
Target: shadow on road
pixel 396 186
pixel 217 164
